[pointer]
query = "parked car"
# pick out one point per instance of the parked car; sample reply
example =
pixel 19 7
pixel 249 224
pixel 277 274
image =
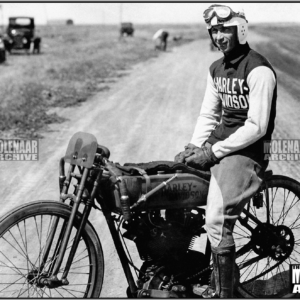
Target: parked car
pixel 20 35
pixel 2 50
pixel 126 28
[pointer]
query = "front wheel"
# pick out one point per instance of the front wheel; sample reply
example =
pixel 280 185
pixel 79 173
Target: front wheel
pixel 24 233
pixel 263 258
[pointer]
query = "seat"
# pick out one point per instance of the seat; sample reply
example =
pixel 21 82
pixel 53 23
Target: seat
pixel 169 167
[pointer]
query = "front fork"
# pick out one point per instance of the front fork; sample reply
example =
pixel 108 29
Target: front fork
pixel 61 246
pixel 119 246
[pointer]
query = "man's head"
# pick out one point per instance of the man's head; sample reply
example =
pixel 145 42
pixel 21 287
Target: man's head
pixel 225 38
pixel 226 27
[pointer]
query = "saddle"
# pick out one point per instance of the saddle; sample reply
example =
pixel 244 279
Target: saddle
pixel 168 167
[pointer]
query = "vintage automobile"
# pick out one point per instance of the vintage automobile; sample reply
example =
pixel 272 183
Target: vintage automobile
pixel 126 28
pixel 20 35
pixel 2 50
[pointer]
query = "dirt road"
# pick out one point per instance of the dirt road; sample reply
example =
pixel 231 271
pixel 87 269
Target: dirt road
pixel 147 115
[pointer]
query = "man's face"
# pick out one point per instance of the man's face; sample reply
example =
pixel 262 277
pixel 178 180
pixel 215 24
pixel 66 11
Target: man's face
pixel 225 38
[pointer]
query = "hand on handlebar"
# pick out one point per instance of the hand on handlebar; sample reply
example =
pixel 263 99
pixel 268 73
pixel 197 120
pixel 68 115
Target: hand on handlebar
pixel 189 150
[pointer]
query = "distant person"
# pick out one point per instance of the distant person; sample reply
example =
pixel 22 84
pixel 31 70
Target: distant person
pixel 236 117
pixel 177 38
pixel 161 39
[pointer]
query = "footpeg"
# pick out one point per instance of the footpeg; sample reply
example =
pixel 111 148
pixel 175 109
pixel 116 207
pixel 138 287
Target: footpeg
pixel 155 294
pixel 205 291
pixel 199 289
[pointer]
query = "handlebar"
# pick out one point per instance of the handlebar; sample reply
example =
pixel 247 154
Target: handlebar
pixel 101 157
pixel 103 151
pixel 125 201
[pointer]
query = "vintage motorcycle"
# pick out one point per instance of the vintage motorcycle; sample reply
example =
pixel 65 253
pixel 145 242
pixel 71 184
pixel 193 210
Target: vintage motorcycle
pixel 51 249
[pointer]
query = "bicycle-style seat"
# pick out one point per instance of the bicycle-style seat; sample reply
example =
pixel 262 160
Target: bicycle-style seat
pixel 168 167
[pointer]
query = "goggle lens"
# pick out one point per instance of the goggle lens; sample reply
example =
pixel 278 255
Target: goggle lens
pixel 208 14
pixel 222 12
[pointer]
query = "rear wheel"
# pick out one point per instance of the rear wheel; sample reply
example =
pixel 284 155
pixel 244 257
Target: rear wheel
pixel 264 258
pixel 24 233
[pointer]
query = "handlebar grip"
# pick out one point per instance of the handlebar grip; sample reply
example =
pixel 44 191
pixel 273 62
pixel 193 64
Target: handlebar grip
pixel 103 151
pixel 61 182
pixel 125 202
pixel 62 167
pixel 62 176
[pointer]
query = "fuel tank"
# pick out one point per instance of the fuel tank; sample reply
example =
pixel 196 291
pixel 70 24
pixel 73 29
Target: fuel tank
pixel 185 191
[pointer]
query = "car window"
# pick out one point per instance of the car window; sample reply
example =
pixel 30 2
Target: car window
pixel 20 21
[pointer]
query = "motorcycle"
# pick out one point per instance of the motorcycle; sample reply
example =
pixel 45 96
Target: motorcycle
pixel 51 249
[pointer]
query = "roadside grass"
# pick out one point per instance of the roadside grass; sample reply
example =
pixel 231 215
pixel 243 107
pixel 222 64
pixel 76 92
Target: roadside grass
pixel 283 51
pixel 75 63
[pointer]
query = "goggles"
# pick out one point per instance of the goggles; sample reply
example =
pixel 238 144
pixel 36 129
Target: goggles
pixel 223 14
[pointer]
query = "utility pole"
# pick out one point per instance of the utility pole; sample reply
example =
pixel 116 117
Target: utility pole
pixel 121 12
pixel 46 14
pixel 2 18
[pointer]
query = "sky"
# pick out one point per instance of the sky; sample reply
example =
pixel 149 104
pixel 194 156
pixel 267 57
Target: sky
pixel 138 12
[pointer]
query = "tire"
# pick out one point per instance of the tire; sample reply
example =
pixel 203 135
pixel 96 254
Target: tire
pixel 2 58
pixel 23 234
pixel 36 46
pixel 264 271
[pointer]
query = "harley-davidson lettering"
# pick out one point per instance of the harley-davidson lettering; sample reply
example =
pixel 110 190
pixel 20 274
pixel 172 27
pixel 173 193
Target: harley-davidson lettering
pixel 180 191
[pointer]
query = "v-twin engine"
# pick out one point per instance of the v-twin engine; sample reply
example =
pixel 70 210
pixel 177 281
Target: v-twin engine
pixel 164 235
pixel 164 240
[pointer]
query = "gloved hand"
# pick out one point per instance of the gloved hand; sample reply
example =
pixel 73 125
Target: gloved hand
pixel 202 159
pixel 189 150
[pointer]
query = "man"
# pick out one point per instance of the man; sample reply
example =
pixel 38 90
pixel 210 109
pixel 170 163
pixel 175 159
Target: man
pixel 236 116
pixel 161 39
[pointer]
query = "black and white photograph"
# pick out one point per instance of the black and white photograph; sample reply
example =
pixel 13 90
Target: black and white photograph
pixel 149 150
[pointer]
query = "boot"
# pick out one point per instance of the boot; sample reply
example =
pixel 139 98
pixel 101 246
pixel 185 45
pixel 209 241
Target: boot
pixel 224 260
pixel 223 273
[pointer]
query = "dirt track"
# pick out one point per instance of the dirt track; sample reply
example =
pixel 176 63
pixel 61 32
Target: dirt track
pixel 148 115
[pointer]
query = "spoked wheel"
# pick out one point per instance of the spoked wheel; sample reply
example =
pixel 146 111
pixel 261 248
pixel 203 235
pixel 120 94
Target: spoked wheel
pixel 24 234
pixel 266 250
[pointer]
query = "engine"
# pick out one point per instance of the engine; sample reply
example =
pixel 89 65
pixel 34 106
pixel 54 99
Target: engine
pixel 163 239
